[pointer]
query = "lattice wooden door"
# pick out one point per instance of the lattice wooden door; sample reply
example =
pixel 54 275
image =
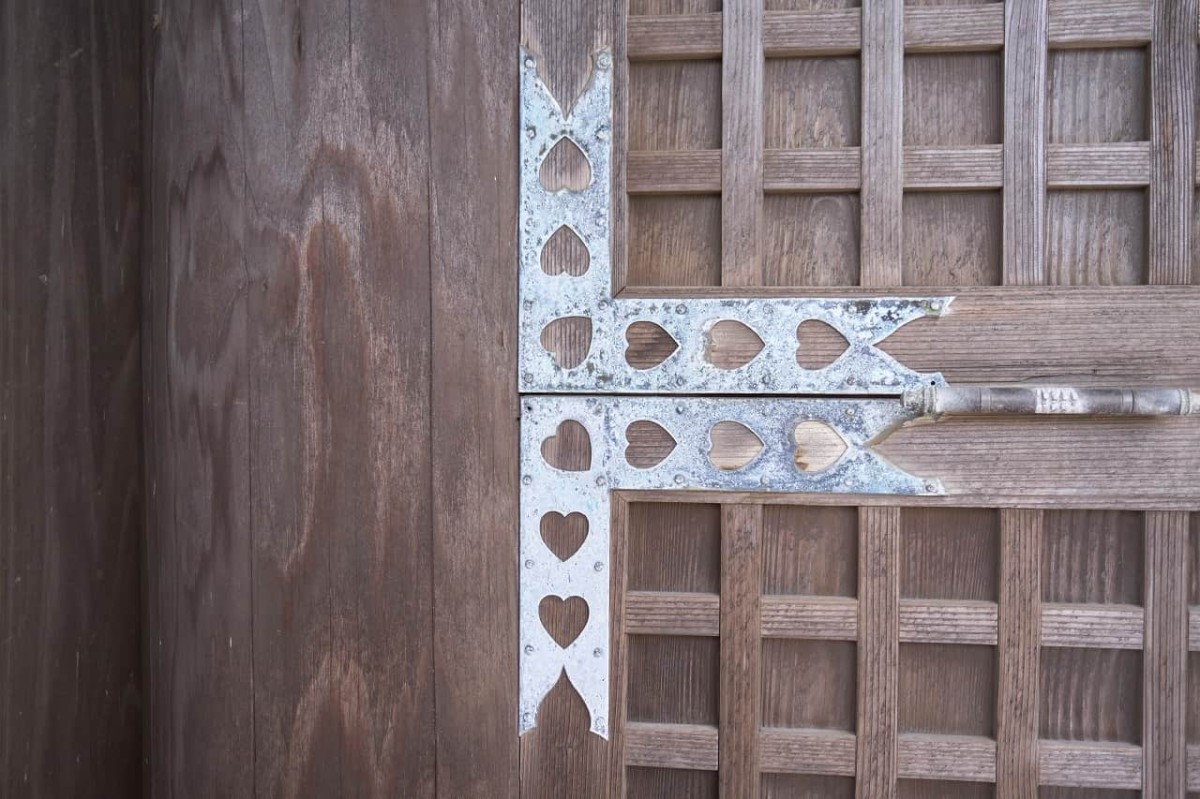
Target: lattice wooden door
pixel 1026 635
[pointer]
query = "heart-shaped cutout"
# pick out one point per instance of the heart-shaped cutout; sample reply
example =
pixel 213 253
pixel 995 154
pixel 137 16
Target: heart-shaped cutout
pixel 649 444
pixel 820 344
pixel 565 167
pixel 648 345
pixel 570 448
pixel 564 619
pixel 732 345
pixel 564 535
pixel 565 252
pixel 568 339
pixel 818 446
pixel 732 445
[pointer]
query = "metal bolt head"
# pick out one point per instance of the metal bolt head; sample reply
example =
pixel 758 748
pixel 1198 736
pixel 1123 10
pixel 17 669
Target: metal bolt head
pixel 598 566
pixel 529 564
pixel 849 412
pixel 527 377
pixel 680 409
pixel 530 132
pixel 529 63
pixel 600 480
pixel 527 305
pixel 528 649
pixel 597 652
pixel 931 487
pixel 602 305
pixel 681 308
pixel 604 60
pixel 527 480
pixel 679 479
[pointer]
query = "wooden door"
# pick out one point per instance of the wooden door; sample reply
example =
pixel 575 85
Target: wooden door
pixel 1027 635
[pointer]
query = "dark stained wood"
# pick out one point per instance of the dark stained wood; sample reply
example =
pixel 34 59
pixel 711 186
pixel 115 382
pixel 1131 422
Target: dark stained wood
pixel 741 650
pixel 200 722
pixel 339 252
pixel 474 434
pixel 71 487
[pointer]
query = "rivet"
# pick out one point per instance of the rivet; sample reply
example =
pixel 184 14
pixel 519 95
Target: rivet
pixel 680 380
pixel 604 60
pixel 531 132
pixel 600 480
pixel 764 480
pixel 529 564
pixel 602 135
pixel 679 479
pixel 528 649
pixel 527 717
pixel 602 305
pixel 597 652
pixel 931 487
pixel 598 566
pixel 529 64
pixel 527 305
pixel 767 380
pixel 679 409
pixel 526 480
pixel 850 381
pixel 847 482
pixel 600 723
pixel 681 308
pixel 848 412
pixel 527 377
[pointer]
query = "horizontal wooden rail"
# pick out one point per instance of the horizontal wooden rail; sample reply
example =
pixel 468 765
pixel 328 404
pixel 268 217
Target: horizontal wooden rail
pixel 924 621
pixel 786 34
pixel 1109 165
pixel 920 756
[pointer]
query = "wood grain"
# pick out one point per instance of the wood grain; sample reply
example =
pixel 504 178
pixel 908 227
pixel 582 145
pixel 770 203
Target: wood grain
pixel 1172 141
pixel 882 155
pixel 72 519
pixel 741 649
pixel 742 146
pixel 1025 143
pixel 340 335
pixel 1020 634
pixel 200 715
pixel 878 650
pixel 1165 667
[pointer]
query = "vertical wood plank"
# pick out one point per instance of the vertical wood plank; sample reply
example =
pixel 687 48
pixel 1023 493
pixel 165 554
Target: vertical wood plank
pixel 1164 701
pixel 337 149
pixel 71 515
pixel 741 650
pixel 1025 142
pixel 1172 140
pixel 878 651
pixel 741 144
pixel 1019 638
pixel 473 120
pixel 882 143
pixel 200 721
pixel 560 757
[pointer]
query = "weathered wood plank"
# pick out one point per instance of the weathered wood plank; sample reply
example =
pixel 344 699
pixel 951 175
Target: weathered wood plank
pixel 878 650
pixel 788 750
pixel 1172 141
pixel 690 746
pixel 1024 245
pixel 339 341
pixel 968 758
pixel 882 153
pixel 200 718
pixel 1087 764
pixel 72 192
pixel 741 649
pixel 1164 671
pixel 1021 616
pixel 742 145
